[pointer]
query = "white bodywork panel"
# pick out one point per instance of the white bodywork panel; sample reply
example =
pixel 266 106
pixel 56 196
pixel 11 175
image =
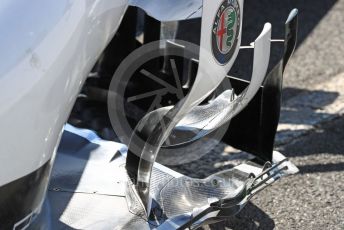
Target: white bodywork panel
pixel 170 10
pixel 47 49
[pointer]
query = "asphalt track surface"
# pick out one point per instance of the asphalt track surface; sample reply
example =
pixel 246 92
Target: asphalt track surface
pixel 314 198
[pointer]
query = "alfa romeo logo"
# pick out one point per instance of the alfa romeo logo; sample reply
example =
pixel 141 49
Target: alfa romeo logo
pixel 226 28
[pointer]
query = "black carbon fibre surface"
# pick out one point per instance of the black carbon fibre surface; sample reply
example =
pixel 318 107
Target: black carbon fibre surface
pixel 20 199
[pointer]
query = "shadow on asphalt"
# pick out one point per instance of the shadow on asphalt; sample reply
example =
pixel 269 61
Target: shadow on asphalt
pixel 319 168
pixel 251 217
pixel 308 108
pixel 302 112
pixel 321 98
pixel 326 139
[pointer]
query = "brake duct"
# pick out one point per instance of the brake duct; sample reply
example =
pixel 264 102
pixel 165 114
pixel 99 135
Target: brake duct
pixel 187 113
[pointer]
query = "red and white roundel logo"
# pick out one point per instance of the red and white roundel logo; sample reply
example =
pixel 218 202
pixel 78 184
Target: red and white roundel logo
pixel 226 31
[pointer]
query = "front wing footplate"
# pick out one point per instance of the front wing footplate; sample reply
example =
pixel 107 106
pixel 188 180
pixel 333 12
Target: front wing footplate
pixel 89 189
